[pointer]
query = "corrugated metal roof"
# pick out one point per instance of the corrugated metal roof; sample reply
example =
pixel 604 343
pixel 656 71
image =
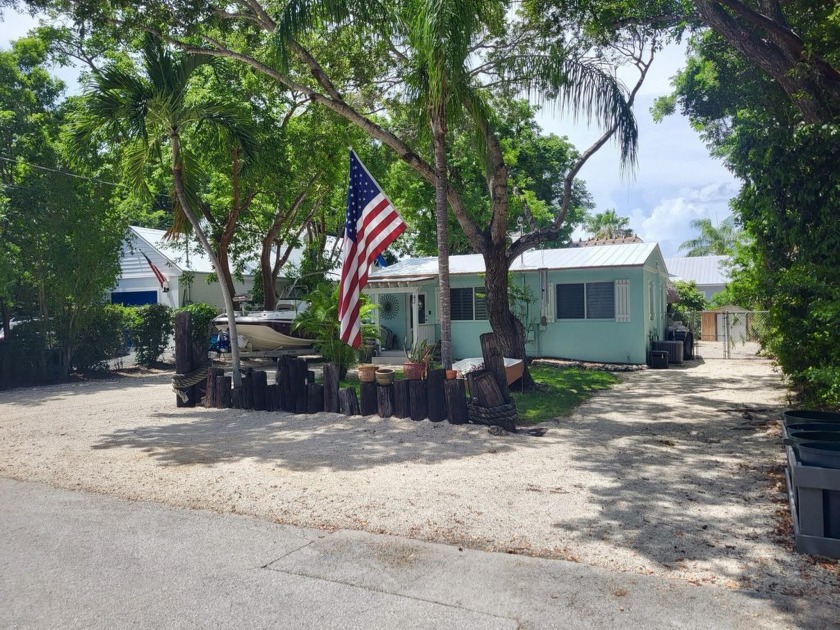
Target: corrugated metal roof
pixel 701 269
pixel 624 255
pixel 198 260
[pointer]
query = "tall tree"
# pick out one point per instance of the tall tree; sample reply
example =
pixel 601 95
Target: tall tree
pixel 712 241
pixel 151 111
pixel 296 45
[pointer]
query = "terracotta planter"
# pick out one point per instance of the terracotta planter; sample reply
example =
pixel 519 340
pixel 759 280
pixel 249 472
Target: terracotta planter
pixel 451 375
pixel 414 371
pixel 384 376
pixel 367 373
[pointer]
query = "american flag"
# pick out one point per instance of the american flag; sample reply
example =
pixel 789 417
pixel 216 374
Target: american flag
pixel 160 277
pixel 372 224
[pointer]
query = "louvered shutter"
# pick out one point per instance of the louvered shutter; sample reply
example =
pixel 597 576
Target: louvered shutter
pixel 622 300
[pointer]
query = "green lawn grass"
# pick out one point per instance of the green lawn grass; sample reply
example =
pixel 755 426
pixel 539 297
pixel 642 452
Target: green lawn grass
pixel 561 390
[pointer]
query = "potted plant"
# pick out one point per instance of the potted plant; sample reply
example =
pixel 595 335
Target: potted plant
pixel 418 358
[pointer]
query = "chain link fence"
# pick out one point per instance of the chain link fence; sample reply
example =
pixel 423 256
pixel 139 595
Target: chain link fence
pixel 727 334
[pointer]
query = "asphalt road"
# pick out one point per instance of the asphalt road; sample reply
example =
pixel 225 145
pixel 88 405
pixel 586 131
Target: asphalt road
pixel 75 560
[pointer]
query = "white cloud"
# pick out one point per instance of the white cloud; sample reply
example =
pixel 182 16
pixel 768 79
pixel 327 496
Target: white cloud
pixel 669 223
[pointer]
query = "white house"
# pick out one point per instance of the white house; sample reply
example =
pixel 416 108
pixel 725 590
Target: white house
pixel 145 250
pixel 709 273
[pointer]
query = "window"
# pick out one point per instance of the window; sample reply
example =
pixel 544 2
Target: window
pixel 590 300
pixel 467 303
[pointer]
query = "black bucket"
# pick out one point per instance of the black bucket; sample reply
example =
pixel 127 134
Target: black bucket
pixel 822 454
pixel 813 426
pixel 795 438
pixel 825 455
pixel 799 416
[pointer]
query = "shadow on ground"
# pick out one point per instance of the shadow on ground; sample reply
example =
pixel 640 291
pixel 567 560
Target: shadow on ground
pixel 322 442
pixel 694 480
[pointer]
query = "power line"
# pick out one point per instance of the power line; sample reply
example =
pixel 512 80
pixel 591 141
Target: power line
pixel 54 170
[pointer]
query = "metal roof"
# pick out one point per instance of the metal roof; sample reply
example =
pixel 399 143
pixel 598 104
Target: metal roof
pixel 624 255
pixel 702 270
pixel 198 261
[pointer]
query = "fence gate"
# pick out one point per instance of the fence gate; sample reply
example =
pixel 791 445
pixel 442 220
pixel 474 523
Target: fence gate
pixel 730 334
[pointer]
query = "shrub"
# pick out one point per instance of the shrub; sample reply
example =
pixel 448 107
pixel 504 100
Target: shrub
pixel 103 337
pixel 150 332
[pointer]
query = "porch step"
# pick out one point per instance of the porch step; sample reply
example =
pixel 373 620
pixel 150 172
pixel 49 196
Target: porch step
pixel 389 357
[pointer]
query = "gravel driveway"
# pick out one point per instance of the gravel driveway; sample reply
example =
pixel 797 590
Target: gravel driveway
pixel 675 472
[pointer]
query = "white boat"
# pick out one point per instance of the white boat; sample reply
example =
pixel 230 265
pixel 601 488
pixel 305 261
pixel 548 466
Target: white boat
pixel 269 330
pixel 514 368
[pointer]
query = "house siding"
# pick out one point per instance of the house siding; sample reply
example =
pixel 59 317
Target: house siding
pixel 602 340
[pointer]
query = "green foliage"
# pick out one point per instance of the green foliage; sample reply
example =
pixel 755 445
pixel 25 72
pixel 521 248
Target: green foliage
pixel 788 203
pixel 607 225
pixel 150 332
pixel 561 390
pixel 421 352
pixel 202 322
pixel 320 322
pixel 713 241
pixel 690 298
pixel 102 338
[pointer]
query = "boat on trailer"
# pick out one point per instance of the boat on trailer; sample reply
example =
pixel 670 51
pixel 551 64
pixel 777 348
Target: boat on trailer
pixel 269 330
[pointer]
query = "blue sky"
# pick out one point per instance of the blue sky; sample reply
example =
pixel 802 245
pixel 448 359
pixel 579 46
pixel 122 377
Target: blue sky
pixel 675 181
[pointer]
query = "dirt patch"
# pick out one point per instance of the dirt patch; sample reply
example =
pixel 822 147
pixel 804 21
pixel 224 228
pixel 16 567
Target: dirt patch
pixel 672 472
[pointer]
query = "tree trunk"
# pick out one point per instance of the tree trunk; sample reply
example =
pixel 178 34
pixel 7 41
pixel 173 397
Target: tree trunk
pixel 441 214
pixel 510 332
pixel 811 83
pixel 177 176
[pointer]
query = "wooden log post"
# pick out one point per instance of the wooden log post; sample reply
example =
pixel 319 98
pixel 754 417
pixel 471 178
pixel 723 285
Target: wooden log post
pixel 347 402
pixel 271 398
pixel 236 397
pixel 417 400
pixel 385 400
pixel 494 363
pixel 314 397
pixel 247 389
pixel 456 401
pixel 211 397
pixel 299 384
pixel 286 381
pixel 223 393
pixel 259 382
pixel 184 356
pixel 484 389
pixel 368 395
pixel 436 403
pixel 331 381
pixel 402 406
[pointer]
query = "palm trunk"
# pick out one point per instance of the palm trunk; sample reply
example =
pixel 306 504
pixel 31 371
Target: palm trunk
pixel 441 215
pixel 177 176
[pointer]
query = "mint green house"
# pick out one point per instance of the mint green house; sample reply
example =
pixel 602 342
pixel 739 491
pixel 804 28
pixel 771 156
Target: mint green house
pixel 601 303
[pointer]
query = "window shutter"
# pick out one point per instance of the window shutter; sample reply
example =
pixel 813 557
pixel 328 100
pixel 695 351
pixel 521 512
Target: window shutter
pixel 550 304
pixel 622 300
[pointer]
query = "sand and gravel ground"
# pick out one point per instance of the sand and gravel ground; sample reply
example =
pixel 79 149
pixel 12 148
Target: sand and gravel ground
pixel 675 472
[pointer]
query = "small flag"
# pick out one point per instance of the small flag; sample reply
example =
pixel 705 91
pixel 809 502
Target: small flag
pixel 160 277
pixel 380 260
pixel 372 224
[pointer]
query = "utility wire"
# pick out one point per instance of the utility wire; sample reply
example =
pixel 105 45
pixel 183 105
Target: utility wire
pixel 60 172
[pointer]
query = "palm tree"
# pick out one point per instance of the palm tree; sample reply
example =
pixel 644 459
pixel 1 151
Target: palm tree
pixel 149 112
pixel 608 224
pixel 440 35
pixel 720 240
